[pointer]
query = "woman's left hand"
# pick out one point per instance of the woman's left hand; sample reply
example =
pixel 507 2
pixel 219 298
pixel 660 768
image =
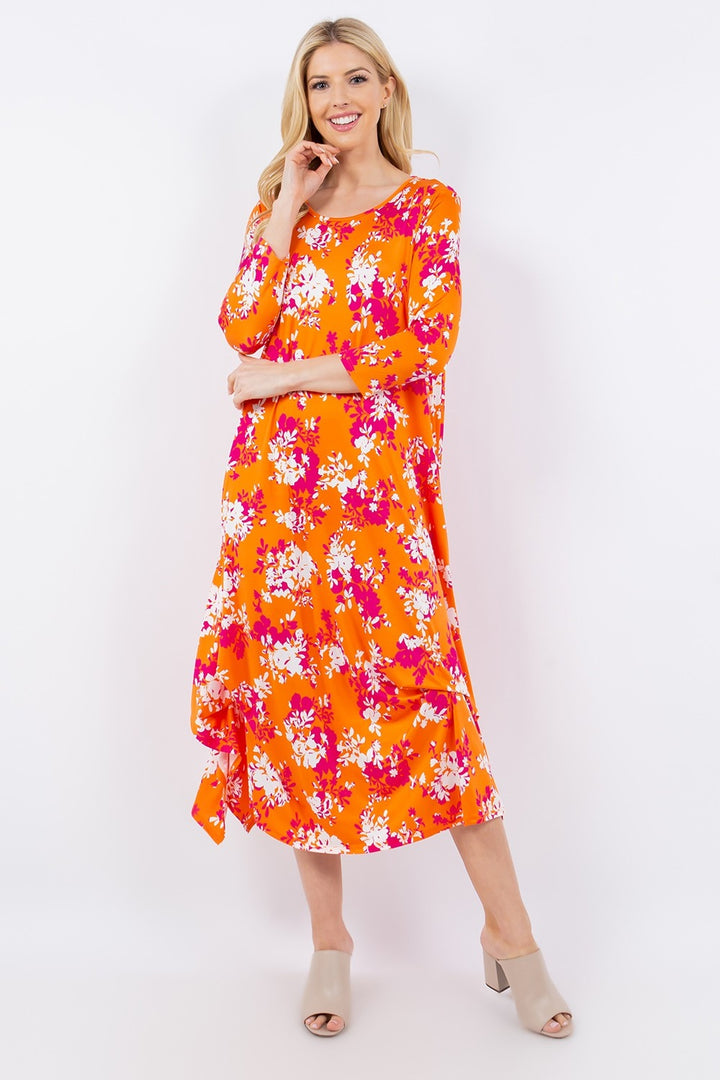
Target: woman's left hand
pixel 255 378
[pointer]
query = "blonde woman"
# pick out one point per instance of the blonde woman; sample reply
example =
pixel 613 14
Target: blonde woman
pixel 331 686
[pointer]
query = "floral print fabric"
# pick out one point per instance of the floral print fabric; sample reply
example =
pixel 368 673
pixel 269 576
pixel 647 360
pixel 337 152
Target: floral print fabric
pixel 331 687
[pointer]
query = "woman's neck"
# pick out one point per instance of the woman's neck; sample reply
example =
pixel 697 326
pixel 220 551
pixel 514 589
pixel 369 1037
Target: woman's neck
pixel 361 168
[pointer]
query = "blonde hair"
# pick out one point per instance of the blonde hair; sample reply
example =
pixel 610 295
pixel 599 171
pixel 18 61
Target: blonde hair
pixel 395 124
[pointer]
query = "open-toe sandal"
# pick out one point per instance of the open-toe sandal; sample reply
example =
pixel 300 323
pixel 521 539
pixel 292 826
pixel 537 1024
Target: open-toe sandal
pixel 327 989
pixel 536 997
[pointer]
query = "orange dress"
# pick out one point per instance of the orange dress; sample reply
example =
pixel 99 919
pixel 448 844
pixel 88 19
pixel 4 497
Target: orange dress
pixel 331 686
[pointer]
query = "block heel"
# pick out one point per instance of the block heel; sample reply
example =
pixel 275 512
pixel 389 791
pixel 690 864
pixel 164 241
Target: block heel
pixel 494 976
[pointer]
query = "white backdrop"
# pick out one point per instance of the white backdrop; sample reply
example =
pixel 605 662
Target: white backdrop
pixel 580 478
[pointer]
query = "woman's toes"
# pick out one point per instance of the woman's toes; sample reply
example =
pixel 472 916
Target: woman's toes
pixel 332 1023
pixel 559 1021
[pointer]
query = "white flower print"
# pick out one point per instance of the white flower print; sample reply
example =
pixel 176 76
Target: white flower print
pixel 307 751
pixel 288 468
pixel 363 272
pixel 237 518
pixel 449 774
pixel 285 658
pixel 375 830
pixel 374 718
pixel 319 840
pixel 321 805
pixel 247 289
pixel 366 445
pixel 264 776
pixel 337 474
pixel 289 571
pixel 316 237
pixel 435 395
pixel 307 284
pixel 337 659
pixel 350 748
pixel 293 520
pixel 419 545
pixel 215 602
pixel 341 557
pixel 428 714
pixel 212 691
pixel 419 602
pixel 431 284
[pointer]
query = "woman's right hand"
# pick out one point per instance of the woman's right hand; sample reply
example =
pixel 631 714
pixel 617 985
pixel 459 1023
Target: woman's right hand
pixel 299 182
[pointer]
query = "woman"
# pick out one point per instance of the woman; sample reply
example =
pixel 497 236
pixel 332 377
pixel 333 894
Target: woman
pixel 331 684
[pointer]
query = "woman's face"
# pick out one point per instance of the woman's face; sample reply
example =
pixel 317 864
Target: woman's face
pixel 345 95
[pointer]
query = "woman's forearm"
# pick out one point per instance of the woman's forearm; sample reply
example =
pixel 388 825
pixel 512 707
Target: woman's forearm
pixel 320 375
pixel 255 378
pixel 277 231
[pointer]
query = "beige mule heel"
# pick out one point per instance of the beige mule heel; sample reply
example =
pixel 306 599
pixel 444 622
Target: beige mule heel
pixel 327 989
pixel 536 997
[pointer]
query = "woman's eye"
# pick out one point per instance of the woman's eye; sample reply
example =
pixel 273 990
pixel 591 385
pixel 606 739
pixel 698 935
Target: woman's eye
pixel 358 79
pixel 320 85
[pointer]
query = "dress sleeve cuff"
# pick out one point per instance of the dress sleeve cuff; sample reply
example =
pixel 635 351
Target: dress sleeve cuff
pixel 275 263
pixel 353 361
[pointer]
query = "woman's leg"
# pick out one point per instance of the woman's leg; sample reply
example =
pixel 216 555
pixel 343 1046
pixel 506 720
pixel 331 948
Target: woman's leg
pixel 507 932
pixel 321 877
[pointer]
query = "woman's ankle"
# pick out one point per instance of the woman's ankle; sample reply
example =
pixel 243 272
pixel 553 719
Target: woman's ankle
pixel 504 940
pixel 333 938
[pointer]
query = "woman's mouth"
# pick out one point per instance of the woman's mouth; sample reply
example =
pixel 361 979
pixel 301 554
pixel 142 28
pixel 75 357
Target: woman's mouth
pixel 344 122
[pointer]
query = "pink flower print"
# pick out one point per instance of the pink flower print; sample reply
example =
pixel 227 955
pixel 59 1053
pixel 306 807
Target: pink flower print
pixel 243 450
pixel 393 771
pixel 283 349
pixel 368 603
pixel 397 218
pixel 372 508
pixel 233 636
pixel 410 652
pixel 384 316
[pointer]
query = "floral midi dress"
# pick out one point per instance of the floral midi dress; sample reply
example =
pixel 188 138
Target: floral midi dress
pixel 331 687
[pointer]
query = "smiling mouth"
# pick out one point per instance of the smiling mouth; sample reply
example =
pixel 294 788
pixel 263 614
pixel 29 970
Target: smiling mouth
pixel 344 121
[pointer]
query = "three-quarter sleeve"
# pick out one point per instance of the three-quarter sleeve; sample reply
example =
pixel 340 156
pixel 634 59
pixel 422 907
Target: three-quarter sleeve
pixel 424 347
pixel 252 304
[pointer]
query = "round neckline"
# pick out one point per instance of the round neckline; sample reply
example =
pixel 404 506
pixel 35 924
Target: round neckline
pixel 370 210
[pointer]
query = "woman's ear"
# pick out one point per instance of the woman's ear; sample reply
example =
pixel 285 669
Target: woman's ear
pixel 389 89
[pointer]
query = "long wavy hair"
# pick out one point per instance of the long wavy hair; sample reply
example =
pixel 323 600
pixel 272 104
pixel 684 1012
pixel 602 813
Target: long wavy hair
pixel 394 126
